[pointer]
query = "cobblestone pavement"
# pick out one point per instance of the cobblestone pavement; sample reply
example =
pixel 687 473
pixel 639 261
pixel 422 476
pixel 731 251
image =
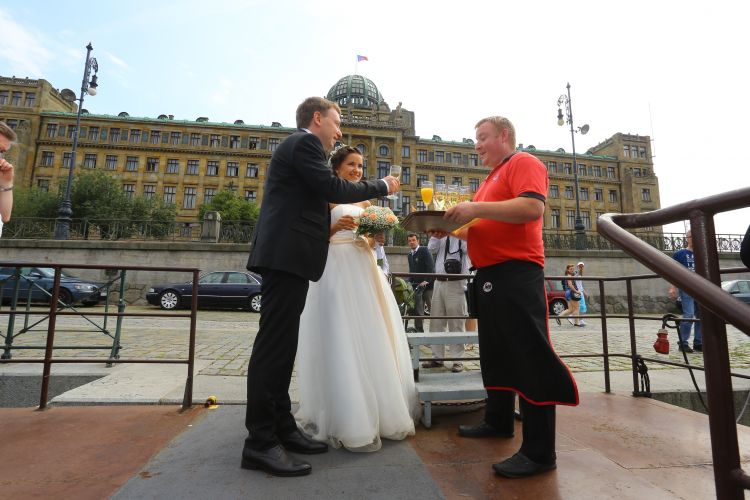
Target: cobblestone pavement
pixel 225 339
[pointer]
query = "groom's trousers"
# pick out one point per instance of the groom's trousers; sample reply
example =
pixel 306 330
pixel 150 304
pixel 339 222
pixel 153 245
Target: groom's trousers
pixel 272 360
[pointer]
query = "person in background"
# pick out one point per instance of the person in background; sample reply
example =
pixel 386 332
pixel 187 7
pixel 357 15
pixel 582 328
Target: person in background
pixel 745 249
pixel 7 138
pixel 572 295
pixel 582 290
pixel 690 308
pixel 420 261
pixel 380 256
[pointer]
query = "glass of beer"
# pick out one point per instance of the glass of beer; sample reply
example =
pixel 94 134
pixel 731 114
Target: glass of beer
pixel 452 195
pixel 440 196
pixel 394 172
pixel 426 192
pixel 464 194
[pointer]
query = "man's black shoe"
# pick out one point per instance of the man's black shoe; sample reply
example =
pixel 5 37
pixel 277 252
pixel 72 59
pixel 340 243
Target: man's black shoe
pixel 299 443
pixel 521 466
pixel 481 430
pixel 685 348
pixel 698 347
pixel 275 461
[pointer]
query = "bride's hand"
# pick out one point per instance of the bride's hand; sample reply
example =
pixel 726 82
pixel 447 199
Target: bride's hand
pixel 345 222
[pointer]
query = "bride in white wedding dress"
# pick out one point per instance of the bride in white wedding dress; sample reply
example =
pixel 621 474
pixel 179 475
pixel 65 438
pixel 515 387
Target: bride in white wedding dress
pixel 353 365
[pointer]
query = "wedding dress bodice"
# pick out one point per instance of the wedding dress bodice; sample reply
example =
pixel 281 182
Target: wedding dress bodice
pixel 338 212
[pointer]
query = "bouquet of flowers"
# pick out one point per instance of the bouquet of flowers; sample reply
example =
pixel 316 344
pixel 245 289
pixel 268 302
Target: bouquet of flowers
pixel 375 220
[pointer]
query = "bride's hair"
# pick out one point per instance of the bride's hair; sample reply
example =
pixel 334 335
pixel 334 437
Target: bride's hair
pixel 340 155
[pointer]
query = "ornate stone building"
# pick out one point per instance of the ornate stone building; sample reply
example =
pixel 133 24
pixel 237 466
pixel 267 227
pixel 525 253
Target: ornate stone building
pixel 188 162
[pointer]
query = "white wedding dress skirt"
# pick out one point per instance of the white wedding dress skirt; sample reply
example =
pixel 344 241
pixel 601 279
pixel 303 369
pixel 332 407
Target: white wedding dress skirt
pixel 353 366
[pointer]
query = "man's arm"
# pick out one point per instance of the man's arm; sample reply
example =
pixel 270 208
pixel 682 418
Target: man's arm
pixel 519 210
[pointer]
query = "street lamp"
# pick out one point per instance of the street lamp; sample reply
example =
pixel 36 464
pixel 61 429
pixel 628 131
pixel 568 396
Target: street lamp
pixel 565 99
pixel 62 225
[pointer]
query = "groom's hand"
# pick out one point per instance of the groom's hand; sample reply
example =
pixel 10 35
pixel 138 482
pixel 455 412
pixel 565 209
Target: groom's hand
pixel 393 184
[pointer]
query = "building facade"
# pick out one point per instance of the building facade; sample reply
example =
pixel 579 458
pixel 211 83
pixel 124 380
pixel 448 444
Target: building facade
pixel 188 162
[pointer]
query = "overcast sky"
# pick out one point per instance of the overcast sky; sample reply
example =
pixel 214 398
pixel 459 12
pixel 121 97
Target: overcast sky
pixel 671 70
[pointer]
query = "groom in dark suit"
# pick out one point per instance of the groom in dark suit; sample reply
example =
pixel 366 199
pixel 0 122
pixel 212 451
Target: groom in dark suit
pixel 289 249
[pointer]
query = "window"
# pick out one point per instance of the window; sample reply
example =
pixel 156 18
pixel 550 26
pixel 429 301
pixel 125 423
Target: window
pixel 568 168
pixel 456 160
pixel 554 219
pixel 422 155
pixel 252 170
pixel 192 167
pixel 89 161
pixel 383 150
pixel 135 136
pixel 93 134
pixel 626 150
pixel 599 214
pixel 636 172
pixel 149 190
pixel 405 204
pixel 571 216
pixel 129 190
pixel 30 98
pixel 254 141
pixel 152 164
pixel 131 164
pixel 646 194
pixel 212 167
pixel 439 179
pixel 215 141
pixel 586 217
pixel 610 172
pixel 439 157
pixel 67 159
pixel 420 205
pixel 234 141
pixel 273 144
pixel 598 194
pixel 4 96
pixel 554 191
pixel 16 99
pixel 456 181
pixel 569 192
pixel 581 169
pixel 71 131
pixel 175 137
pixel 195 139
pixel 42 185
pixel 188 200
pixel 48 158
pixel 250 195
pixel 383 168
pixel 110 162
pixel 597 171
pixel 51 129
pixel 233 169
pixel 173 166
pixel 169 194
pixel 155 137
pixel 474 185
pixel 405 151
pixel 612 196
pixel 208 194
pixel 421 178
pixel 584 193
pixel 406 175
pixel 473 160
pixel 552 167
pixel 114 135
pixel 641 152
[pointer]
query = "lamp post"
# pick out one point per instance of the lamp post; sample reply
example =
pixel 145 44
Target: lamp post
pixel 580 229
pixel 62 225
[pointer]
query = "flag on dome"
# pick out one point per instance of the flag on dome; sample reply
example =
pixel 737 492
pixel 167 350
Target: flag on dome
pixel 361 58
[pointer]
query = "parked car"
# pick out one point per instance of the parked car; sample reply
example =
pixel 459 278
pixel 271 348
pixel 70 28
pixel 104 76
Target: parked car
pixel 738 288
pixel 218 289
pixel 555 297
pixel 40 280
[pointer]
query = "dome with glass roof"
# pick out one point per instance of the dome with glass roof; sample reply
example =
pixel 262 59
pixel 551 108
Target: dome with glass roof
pixel 356 90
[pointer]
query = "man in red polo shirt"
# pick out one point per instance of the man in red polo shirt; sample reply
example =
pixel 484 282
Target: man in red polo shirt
pixel 505 245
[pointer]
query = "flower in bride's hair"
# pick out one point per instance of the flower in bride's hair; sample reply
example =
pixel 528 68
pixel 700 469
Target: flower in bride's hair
pixel 375 219
pixel 335 150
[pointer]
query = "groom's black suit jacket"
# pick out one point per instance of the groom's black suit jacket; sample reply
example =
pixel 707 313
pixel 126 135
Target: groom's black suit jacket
pixel 292 231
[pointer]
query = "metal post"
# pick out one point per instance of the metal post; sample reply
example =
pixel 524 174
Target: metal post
pixel 579 227
pixel 115 354
pixel 62 226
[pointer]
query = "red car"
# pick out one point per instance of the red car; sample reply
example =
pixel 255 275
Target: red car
pixel 555 297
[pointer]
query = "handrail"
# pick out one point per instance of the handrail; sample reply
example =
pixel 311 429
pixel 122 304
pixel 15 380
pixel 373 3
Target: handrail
pixel 716 307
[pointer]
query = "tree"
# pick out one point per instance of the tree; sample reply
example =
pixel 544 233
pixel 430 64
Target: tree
pixel 231 207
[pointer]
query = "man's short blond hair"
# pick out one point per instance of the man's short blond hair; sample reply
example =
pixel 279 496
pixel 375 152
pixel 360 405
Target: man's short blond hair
pixel 309 106
pixel 8 132
pixel 500 123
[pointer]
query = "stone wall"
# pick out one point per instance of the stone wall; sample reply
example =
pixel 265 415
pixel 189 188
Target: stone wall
pixel 649 295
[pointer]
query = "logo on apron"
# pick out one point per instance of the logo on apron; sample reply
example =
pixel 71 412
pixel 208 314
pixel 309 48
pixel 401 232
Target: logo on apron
pixel 487 287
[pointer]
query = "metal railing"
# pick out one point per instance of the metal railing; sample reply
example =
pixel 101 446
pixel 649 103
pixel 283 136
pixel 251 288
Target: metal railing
pixel 716 308
pixel 55 310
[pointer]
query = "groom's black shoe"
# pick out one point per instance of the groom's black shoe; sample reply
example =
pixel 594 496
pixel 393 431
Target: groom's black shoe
pixel 299 443
pixel 481 430
pixel 275 461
